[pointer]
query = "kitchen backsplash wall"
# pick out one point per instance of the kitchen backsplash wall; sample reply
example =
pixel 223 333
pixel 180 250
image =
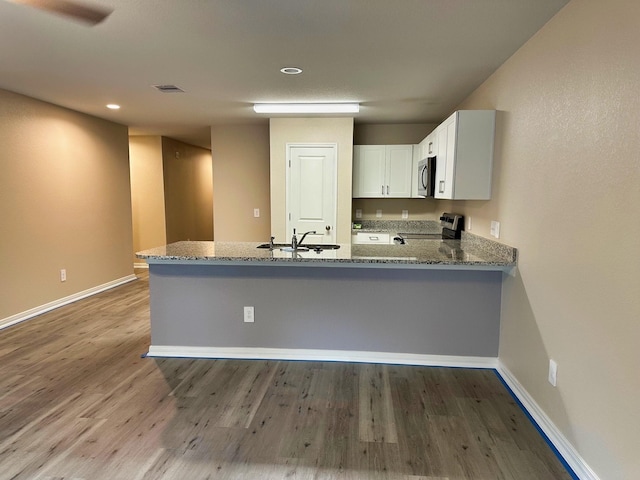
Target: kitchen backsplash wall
pixel 391 208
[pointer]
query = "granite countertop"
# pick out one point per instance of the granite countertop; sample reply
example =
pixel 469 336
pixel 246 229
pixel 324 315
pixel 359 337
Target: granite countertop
pixel 454 254
pixel 396 226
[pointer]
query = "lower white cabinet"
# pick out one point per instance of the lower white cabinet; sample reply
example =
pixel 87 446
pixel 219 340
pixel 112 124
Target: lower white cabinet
pixel 372 237
pixel 382 171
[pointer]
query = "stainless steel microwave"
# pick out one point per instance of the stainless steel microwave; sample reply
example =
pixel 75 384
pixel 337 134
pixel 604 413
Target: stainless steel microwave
pixel 427 177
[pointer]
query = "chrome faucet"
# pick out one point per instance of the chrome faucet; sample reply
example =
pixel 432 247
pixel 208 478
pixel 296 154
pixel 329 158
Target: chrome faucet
pixel 304 235
pixel 271 246
pixel 294 240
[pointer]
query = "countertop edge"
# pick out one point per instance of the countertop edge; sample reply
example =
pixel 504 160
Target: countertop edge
pixel 205 253
pixel 382 263
pixel 333 263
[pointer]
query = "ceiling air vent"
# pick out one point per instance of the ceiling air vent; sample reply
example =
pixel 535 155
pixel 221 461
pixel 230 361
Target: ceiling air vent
pixel 168 88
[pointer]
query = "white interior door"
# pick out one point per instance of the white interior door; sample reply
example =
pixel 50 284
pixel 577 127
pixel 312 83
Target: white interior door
pixel 311 191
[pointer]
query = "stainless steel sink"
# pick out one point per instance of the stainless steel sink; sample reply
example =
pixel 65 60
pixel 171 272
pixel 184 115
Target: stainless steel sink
pixel 275 245
pixel 323 246
pixel 286 247
pixel 291 249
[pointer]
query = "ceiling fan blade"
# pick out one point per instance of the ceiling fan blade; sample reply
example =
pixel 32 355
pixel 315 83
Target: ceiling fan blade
pixel 74 10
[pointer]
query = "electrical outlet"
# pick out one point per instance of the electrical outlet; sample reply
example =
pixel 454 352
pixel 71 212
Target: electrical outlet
pixel 495 229
pixel 405 214
pixel 256 212
pixel 358 213
pixel 249 315
pixel 468 223
pixel 378 213
pixel 63 275
pixel 553 372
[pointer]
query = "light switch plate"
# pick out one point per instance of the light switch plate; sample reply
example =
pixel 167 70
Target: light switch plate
pixel 378 213
pixel 256 212
pixel 405 214
pixel 358 213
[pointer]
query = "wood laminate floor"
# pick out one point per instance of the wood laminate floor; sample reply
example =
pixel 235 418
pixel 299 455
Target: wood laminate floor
pixel 77 401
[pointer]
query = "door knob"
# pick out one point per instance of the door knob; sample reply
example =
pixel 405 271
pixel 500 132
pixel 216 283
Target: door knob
pixel 327 228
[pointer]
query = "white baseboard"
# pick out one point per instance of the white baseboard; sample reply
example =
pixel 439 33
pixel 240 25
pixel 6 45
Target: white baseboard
pixel 140 265
pixel 250 353
pixel 559 441
pixel 22 316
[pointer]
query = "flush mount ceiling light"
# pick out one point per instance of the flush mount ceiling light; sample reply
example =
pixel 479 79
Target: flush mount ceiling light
pixel 306 107
pixel 113 106
pixel 291 70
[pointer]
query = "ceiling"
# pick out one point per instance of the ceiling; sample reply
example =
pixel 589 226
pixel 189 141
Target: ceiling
pixel 405 61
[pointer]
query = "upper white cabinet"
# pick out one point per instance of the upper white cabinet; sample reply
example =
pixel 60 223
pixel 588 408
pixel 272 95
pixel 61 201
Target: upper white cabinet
pixel 465 155
pixel 382 171
pixel 429 146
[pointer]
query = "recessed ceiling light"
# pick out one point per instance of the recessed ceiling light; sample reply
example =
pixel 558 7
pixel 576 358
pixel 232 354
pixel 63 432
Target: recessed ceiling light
pixel 113 106
pixel 306 107
pixel 291 70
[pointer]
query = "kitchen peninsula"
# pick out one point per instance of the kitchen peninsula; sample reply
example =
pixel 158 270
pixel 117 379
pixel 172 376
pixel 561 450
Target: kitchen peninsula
pixel 435 302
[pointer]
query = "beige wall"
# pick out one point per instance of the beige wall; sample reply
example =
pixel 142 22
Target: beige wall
pixel 188 191
pixel 147 193
pixel 391 133
pixel 65 202
pixel 311 130
pixel 567 194
pixel 241 182
pixel 394 134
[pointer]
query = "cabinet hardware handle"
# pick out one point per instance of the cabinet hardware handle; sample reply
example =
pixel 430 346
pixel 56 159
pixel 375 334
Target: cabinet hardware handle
pixel 430 147
pixel 387 189
pixel 374 238
pixel 441 187
pixel 382 190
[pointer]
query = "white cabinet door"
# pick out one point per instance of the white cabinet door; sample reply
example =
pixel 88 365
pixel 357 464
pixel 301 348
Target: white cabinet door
pixel 398 171
pixel 465 155
pixel 382 171
pixel 429 146
pixel 369 165
pixel 432 144
pixel 442 133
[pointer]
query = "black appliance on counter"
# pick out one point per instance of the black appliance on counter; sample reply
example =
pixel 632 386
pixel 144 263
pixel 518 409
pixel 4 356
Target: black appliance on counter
pixel 452 225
